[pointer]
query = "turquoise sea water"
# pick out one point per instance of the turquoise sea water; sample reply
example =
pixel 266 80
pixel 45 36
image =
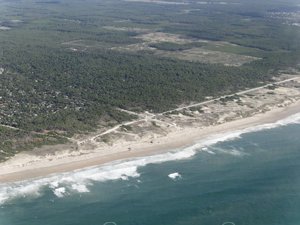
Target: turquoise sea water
pixel 245 179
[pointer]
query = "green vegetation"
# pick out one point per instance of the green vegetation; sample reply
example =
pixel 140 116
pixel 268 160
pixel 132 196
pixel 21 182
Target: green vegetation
pixel 126 128
pixel 196 108
pixel 63 74
pixel 14 141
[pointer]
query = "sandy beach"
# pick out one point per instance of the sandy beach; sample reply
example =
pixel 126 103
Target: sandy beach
pixel 20 168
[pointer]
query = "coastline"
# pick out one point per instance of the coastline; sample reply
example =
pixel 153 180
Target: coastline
pixel 13 170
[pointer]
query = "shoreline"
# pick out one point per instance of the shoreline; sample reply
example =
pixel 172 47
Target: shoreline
pixel 13 170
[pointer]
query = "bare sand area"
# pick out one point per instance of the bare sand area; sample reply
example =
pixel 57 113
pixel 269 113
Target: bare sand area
pixel 153 134
pixel 14 170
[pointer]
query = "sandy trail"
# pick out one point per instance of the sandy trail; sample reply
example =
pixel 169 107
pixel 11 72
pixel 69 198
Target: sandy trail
pixel 14 170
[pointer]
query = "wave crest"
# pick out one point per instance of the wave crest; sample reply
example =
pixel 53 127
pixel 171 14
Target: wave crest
pixel 80 180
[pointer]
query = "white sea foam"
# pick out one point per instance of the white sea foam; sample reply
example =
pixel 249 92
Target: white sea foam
pixel 80 180
pixel 20 189
pixel 60 192
pixel 233 152
pixel 80 188
pixel 174 176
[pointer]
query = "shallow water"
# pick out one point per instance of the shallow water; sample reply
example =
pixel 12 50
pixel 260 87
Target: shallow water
pixel 244 179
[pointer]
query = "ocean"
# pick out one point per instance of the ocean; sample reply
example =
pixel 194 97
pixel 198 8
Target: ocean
pixel 249 177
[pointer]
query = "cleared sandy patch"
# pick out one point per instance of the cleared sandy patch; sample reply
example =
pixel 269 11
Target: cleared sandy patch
pixel 157 133
pixel 127 29
pixel 157 37
pixel 208 56
pixel 196 54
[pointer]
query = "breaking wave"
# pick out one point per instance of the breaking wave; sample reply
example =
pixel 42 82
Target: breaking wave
pixel 175 176
pixel 79 181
